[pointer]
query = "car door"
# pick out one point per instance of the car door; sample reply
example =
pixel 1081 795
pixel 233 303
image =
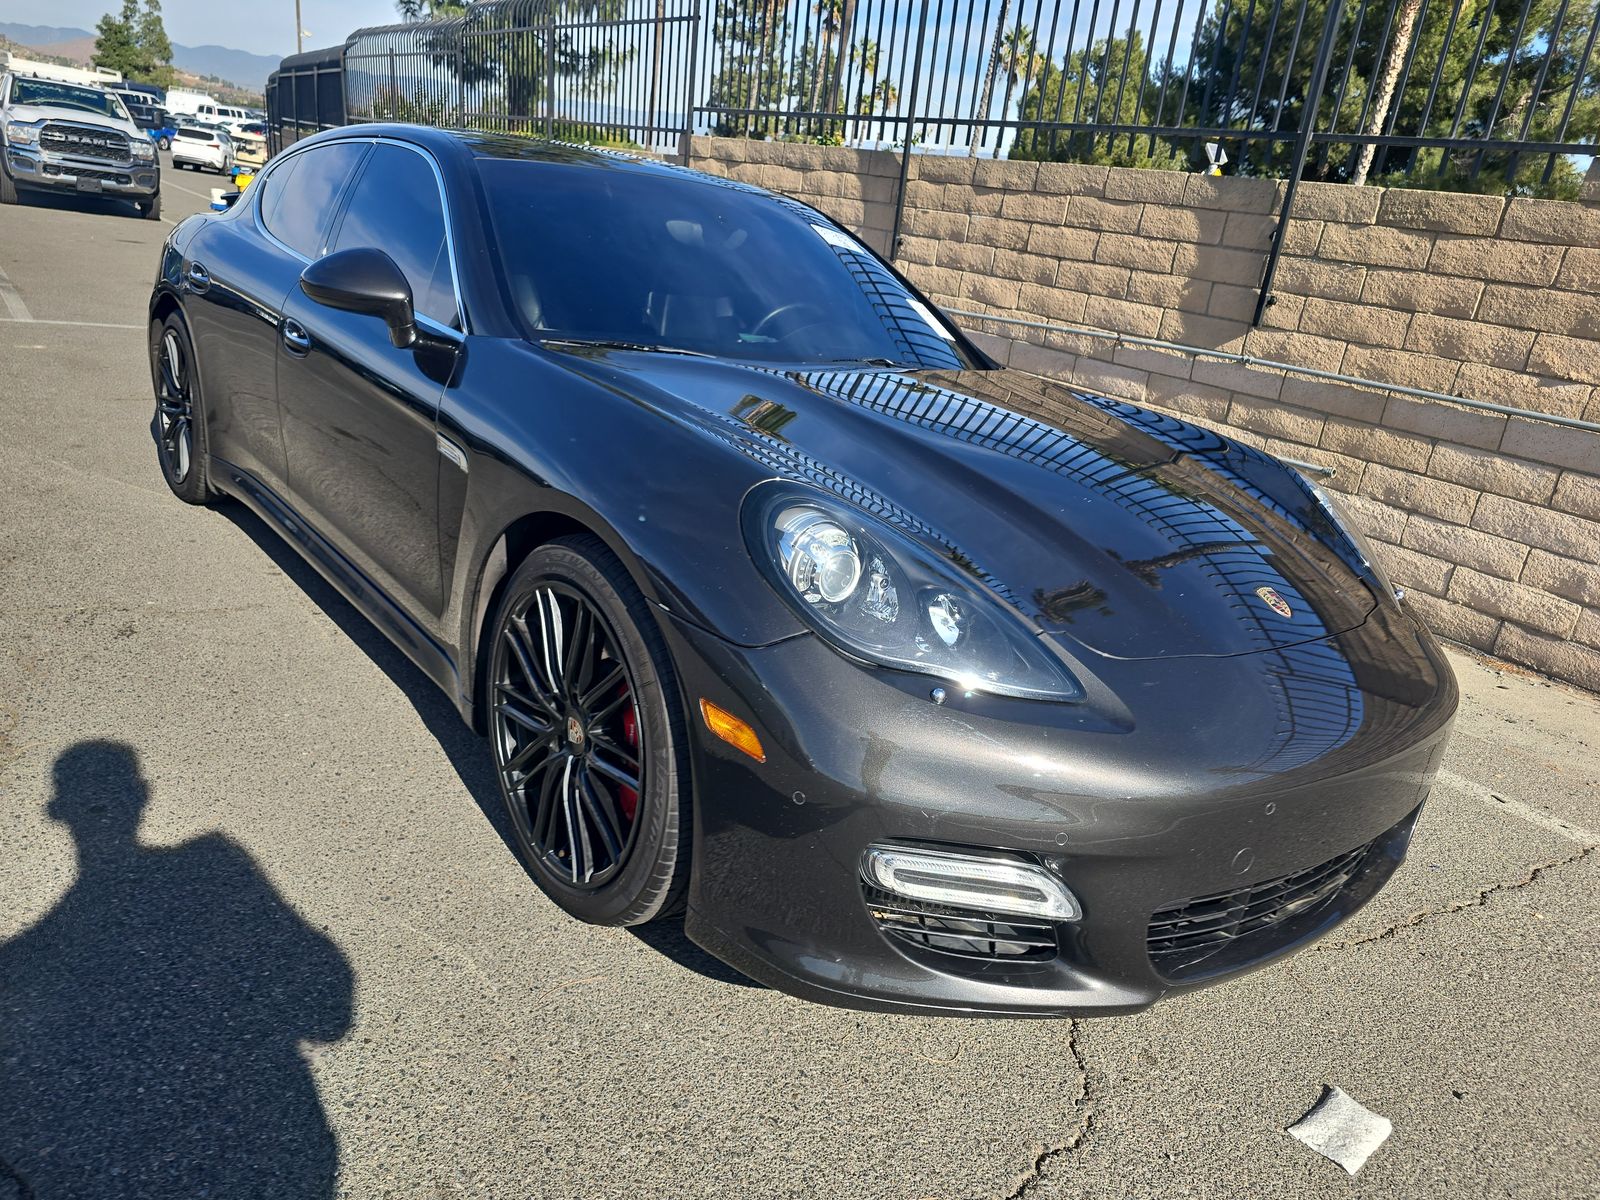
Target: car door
pixel 235 280
pixel 359 414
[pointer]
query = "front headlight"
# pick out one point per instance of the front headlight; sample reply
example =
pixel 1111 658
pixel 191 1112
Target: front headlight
pixel 877 595
pixel 1343 523
pixel 144 148
pixel 18 134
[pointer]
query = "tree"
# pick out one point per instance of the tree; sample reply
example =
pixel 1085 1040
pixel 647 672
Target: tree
pixel 1106 83
pixel 1021 61
pixel 980 111
pixel 135 43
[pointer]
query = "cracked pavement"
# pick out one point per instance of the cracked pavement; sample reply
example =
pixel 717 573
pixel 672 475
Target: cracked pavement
pixel 322 828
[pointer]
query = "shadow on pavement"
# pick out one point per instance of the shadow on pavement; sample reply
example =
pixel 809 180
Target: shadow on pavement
pixel 467 753
pixel 151 1023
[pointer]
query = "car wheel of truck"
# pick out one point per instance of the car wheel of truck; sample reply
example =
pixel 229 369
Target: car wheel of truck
pixel 8 190
pixel 150 209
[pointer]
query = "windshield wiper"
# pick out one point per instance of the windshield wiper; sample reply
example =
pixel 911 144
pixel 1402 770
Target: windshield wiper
pixel 875 362
pixel 610 344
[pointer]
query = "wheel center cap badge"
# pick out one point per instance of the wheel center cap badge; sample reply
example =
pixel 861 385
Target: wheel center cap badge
pixel 574 731
pixel 1275 602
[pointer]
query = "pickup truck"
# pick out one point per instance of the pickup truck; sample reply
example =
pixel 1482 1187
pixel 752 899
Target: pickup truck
pixel 65 137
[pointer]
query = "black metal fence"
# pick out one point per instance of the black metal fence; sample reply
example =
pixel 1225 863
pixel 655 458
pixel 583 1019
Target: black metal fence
pixel 1484 95
pixel 1499 96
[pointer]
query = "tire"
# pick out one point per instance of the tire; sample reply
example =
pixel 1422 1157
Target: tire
pixel 181 452
pixel 8 190
pixel 165 143
pixel 574 753
pixel 150 209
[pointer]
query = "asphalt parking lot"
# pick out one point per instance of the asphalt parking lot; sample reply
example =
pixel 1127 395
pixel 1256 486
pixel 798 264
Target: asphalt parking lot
pixel 260 936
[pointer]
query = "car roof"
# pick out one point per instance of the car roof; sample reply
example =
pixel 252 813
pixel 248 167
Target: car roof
pixel 477 145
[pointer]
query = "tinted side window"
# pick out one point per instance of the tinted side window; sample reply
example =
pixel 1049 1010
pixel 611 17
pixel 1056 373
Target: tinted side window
pixel 395 207
pixel 299 203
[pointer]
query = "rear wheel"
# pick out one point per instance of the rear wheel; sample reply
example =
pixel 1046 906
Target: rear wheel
pixel 588 736
pixel 179 425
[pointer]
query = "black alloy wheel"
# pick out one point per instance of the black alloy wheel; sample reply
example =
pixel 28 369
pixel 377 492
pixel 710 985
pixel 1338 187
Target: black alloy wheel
pixel 588 738
pixel 178 428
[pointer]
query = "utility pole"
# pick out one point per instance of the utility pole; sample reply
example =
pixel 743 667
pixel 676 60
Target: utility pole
pixel 299 30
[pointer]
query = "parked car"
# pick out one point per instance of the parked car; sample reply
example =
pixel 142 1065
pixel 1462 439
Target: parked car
pixel 202 147
pixel 250 144
pixel 157 124
pixel 57 136
pixel 914 683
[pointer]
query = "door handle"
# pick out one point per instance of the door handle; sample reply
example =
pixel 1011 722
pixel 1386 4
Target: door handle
pixel 199 278
pixel 295 338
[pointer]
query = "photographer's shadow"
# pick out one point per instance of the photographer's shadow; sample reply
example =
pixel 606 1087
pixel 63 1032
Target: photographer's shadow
pixel 151 1023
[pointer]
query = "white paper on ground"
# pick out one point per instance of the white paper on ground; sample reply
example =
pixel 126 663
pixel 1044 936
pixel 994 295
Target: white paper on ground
pixel 1342 1129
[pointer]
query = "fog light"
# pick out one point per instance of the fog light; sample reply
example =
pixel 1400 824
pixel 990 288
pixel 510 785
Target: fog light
pixel 1000 885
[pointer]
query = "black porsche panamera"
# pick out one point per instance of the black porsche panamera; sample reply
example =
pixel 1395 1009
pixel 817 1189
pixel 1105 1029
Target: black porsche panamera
pixel 913 683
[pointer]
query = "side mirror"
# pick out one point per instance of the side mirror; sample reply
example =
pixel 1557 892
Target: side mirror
pixel 364 281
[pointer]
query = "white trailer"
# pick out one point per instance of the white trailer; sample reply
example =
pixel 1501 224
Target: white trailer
pixel 93 76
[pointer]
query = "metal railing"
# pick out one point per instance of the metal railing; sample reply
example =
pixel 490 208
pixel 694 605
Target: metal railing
pixel 1498 96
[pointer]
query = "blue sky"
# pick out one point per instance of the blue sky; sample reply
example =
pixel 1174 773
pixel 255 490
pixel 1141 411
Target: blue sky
pixel 260 26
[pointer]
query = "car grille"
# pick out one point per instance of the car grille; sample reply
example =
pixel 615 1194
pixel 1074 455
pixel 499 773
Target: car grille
pixel 967 933
pixel 1183 937
pixel 87 173
pixel 85 143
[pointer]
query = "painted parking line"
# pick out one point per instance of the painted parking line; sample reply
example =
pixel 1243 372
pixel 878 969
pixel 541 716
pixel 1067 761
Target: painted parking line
pixel 82 324
pixel 12 300
pixel 1516 808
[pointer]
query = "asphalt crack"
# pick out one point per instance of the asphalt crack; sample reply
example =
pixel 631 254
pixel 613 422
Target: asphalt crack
pixel 1088 1104
pixel 1428 915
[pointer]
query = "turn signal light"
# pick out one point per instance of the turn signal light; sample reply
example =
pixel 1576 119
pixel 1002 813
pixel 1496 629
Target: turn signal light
pixel 732 730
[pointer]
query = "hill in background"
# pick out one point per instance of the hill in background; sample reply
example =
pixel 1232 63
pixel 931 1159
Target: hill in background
pixel 216 66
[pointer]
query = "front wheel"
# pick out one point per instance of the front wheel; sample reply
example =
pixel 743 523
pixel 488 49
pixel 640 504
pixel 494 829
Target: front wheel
pixel 179 425
pixel 8 190
pixel 588 736
pixel 150 209
pixel 165 143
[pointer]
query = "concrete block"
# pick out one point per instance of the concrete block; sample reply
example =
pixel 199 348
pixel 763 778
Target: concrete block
pixel 1560 533
pixel 1579 494
pixel 1122 316
pixel 1472 341
pixel 1466 547
pixel 1198 225
pixel 1542 309
pixel 1414 571
pixel 1419 494
pixel 1400 366
pixel 1575 449
pixel 1336 202
pixel 1375 444
pixel 1137 251
pixel 1155 187
pixel 1489 470
pixel 1375 245
pixel 1108 216
pixel 1419 291
pixel 1362 324
pixel 1309 277
pixel 1551 221
pixel 1567 577
pixel 1554 656
pixel 1219 264
pixel 1456 623
pixel 1446 212
pixel 1496 260
pixel 1063 242
pixel 1562 357
pixel 1169 291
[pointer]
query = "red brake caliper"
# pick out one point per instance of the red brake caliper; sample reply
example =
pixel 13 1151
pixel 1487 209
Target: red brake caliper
pixel 626 796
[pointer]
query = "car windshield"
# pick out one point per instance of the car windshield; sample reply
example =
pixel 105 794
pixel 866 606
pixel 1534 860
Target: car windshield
pixel 646 259
pixel 65 95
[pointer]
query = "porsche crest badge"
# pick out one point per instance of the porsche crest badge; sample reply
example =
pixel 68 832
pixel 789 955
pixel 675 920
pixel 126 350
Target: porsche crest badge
pixel 1275 602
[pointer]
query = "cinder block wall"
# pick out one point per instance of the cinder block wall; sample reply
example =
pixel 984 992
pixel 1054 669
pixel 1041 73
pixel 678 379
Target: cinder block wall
pixel 1491 523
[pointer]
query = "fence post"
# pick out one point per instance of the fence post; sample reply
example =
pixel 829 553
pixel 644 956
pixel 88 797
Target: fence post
pixel 550 77
pixel 905 150
pixel 1302 148
pixel 686 138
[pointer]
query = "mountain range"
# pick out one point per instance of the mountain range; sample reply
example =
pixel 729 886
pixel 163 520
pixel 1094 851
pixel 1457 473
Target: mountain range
pixel 236 66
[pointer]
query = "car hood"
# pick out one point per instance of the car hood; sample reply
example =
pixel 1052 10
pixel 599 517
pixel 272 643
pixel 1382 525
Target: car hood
pixel 27 114
pixel 1131 534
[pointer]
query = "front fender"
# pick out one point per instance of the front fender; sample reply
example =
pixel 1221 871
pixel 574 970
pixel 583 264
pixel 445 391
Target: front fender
pixel 545 441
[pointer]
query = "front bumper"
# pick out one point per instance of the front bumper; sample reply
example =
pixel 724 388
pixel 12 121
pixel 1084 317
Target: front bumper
pixel 28 167
pixel 1177 780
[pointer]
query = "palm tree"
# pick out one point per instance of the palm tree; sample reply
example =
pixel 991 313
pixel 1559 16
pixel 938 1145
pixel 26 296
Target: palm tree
pixel 986 93
pixel 1388 77
pixel 1022 61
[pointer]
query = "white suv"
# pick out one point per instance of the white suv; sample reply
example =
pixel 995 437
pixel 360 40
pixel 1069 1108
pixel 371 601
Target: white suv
pixel 198 146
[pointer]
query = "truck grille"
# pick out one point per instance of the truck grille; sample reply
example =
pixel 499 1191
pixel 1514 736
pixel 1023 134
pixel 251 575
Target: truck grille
pixel 964 932
pixel 1184 937
pixel 84 142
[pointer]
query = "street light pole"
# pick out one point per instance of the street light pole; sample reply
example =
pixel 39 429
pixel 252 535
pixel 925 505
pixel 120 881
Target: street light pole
pixel 299 31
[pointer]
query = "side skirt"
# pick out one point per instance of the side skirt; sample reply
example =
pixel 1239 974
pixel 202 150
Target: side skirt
pixel 352 583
